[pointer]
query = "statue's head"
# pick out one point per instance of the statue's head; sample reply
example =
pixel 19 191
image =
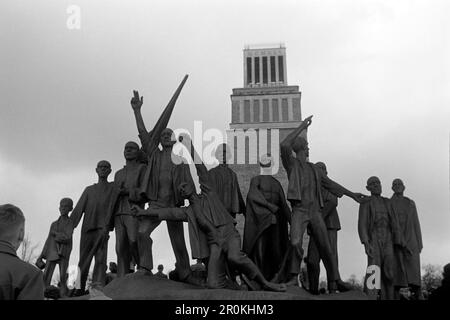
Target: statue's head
pixel 374 186
pixel 300 144
pixel 131 150
pixel 321 166
pixel 12 225
pixel 186 190
pixel 397 186
pixel 446 273
pixel 266 160
pixel 65 206
pixel 113 267
pixel 167 138
pixel 223 153
pixel 103 169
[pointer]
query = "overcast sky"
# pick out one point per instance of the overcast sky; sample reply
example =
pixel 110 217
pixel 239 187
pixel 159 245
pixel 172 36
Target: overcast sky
pixel 375 75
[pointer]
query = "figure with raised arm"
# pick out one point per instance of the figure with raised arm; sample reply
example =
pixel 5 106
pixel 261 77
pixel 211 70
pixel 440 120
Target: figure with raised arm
pixel 164 173
pixel 304 194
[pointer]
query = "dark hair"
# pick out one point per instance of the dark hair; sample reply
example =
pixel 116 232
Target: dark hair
pixel 11 219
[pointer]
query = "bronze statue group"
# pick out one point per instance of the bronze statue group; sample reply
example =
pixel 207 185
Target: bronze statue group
pixel 154 185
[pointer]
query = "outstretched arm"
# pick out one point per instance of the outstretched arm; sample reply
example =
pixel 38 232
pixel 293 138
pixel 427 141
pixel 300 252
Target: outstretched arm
pixel 338 190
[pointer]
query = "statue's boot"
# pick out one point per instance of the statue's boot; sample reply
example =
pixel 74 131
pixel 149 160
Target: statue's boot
pixel 191 279
pixel 343 286
pixel 293 281
pixel 332 287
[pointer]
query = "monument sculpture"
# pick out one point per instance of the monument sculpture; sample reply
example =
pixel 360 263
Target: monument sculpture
pixel 378 230
pixel 304 193
pixel 266 236
pixel 333 225
pixel 95 205
pixel 128 182
pixel 58 246
pixel 160 185
pixel 408 270
pixel 214 220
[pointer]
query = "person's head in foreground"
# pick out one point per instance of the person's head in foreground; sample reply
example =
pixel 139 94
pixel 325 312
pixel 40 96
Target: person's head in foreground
pixel 12 225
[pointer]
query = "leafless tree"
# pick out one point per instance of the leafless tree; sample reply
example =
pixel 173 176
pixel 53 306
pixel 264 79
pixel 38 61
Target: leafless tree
pixel 28 249
pixel 432 277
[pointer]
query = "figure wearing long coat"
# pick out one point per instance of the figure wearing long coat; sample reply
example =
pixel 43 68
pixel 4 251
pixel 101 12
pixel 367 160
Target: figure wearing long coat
pixel 409 257
pixel 266 237
pixel 378 227
pixel 57 248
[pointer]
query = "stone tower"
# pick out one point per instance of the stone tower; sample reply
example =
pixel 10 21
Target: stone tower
pixel 266 108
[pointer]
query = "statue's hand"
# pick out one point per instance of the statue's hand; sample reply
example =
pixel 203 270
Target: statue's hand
pixel 185 139
pixel 124 192
pixel 136 102
pixel 368 249
pixel 274 219
pixel 308 121
pixel 137 211
pixel 40 263
pixel 360 198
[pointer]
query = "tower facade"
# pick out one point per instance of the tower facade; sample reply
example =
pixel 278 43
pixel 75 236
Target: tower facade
pixel 263 112
pixel 265 100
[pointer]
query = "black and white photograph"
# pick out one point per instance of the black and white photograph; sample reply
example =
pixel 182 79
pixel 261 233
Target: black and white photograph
pixel 212 153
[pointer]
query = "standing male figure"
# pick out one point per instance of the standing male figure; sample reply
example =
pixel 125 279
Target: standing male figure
pixel 225 182
pixel 304 193
pixel 164 173
pixel 331 219
pixel 128 183
pixel 409 257
pixel 95 203
pixel 18 280
pixel 379 230
pixel 58 246
pixel 266 236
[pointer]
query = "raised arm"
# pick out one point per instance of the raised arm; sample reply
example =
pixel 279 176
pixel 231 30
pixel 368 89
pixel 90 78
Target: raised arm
pixel 150 140
pixel 136 104
pixel 289 140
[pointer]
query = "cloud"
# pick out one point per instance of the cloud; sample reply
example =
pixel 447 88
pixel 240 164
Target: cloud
pixel 374 74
